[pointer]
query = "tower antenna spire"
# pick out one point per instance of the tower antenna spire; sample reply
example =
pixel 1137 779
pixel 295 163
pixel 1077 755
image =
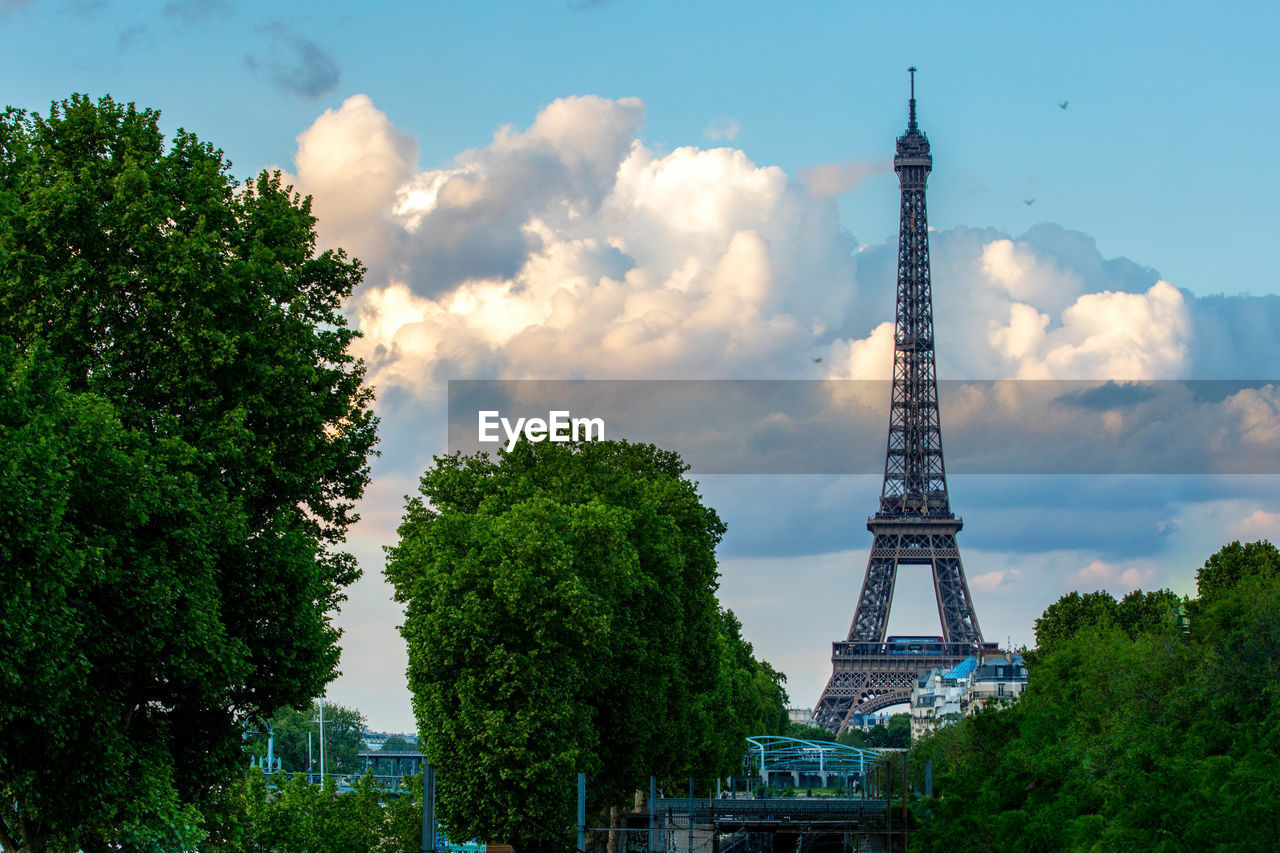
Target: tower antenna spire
pixel 911 118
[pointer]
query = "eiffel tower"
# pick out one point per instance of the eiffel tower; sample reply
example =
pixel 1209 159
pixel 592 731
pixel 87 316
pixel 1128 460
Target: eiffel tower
pixel 914 524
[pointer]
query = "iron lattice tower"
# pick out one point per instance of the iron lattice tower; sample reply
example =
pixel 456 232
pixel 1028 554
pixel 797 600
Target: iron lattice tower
pixel 914 523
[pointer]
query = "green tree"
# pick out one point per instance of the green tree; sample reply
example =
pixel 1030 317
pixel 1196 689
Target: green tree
pixel 297 736
pixel 343 738
pixel 1137 612
pixel 1131 734
pixel 193 327
pixel 1225 569
pixel 802 731
pixel 561 618
pixel 750 697
pixel 402 832
pixel 1068 615
pixel 396 743
pixel 1147 612
pixel 298 816
pixel 74 481
pixel 895 733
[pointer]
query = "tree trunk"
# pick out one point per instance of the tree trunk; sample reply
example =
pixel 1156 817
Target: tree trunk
pixel 22 838
pixel 615 821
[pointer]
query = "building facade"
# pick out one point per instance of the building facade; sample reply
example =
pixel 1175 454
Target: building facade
pixel 941 697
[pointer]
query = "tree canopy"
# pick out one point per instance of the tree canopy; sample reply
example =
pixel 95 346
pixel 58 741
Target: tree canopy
pixel 185 435
pixel 1135 613
pixel 286 813
pixel 395 743
pixel 896 732
pixel 804 731
pixel 1224 571
pixel 1133 733
pixel 561 618
pixel 297 738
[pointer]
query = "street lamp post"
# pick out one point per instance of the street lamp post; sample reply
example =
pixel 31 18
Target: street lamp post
pixel 322 777
pixel 321 722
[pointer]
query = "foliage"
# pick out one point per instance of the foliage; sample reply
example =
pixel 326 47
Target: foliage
pixel 75 481
pixel 284 813
pixel 402 830
pixel 395 743
pixel 1130 735
pixel 1137 612
pixel 895 733
pixel 561 618
pixel 1225 569
pixel 343 738
pixel 754 698
pixel 803 731
pixel 184 438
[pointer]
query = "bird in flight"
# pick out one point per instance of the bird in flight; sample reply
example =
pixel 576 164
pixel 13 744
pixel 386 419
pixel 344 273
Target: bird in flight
pixel 1028 201
pixel 1062 105
pixel 817 359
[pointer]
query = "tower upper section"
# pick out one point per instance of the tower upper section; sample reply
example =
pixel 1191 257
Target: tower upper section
pixel 913 162
pixel 915 483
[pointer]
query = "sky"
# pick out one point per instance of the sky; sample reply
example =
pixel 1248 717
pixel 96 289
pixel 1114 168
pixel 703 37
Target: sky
pixel 626 190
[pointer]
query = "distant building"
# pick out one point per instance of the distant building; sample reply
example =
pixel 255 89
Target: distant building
pixel 940 698
pixel 866 722
pixel 999 678
pixel 803 716
pixel 390 765
pixel 373 741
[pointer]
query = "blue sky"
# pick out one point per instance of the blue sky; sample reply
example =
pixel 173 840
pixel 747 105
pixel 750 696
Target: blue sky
pixel 730 138
pixel 1161 153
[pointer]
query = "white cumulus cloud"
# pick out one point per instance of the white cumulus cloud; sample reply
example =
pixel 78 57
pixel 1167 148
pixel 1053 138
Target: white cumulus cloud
pixel 1116 578
pixel 571 248
pixel 353 162
pixel 829 179
pixel 1257 525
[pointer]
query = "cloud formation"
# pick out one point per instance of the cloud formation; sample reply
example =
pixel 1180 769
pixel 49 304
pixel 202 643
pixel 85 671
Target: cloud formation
pixel 722 128
pixel 573 249
pixel 132 37
pixel 993 580
pixel 832 179
pixel 296 64
pixel 1117 578
pixel 354 162
pixel 1259 524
